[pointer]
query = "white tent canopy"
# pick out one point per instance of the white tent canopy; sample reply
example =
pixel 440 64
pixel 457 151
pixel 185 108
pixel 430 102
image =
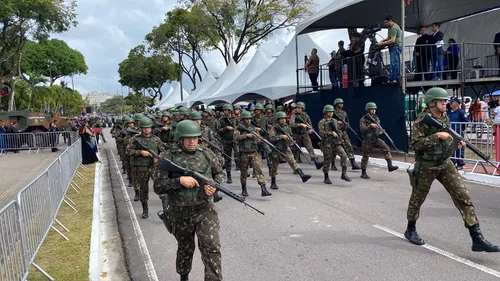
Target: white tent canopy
pixel 279 79
pixel 174 97
pixel 230 74
pixel 165 95
pixel 208 81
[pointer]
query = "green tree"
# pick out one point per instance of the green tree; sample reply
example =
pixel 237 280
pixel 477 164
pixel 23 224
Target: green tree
pixel 147 72
pixel 114 105
pixel 22 19
pixel 234 26
pixel 137 102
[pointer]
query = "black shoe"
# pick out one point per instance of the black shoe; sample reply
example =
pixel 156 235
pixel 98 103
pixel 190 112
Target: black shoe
pixel 334 168
pixel 185 277
pixel 355 165
pixel 364 175
pixel 145 210
pixel 229 180
pixel 479 244
pixel 217 197
pixel 412 235
pixel 344 174
pixel 390 167
pixel 124 171
pixel 273 184
pixel 130 182
pixel 244 191
pixel 137 196
pixel 264 191
pixel 327 179
pixel 303 176
pixel 318 163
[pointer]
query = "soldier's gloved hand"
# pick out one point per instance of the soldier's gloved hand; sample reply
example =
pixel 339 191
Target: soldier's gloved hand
pixel 145 153
pixel 188 182
pixel 443 135
pixel 209 190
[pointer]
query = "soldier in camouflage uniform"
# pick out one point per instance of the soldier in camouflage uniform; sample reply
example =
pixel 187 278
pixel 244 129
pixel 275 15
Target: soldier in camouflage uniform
pixel 282 142
pixel 137 118
pixel 210 121
pixel 370 132
pixel 125 136
pixel 340 113
pixel 187 212
pixel 301 134
pixel 433 149
pixel 164 131
pixel 262 121
pixel 143 161
pixel 270 114
pixel 226 131
pixel 184 114
pixel 332 143
pixel 248 154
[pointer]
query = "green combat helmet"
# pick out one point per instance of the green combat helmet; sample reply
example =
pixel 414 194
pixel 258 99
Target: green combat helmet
pixel 280 115
pixel 184 111
pixel 270 106
pixel 146 123
pixel 238 107
pixel 126 119
pixel 210 111
pixel 370 105
pixel 166 113
pixel 138 117
pixel 337 101
pixel 195 115
pixel 246 115
pixel 187 128
pixel 301 104
pixel 328 108
pixel 259 106
pixel 118 120
pixel 228 107
pixel 435 93
pixel 280 108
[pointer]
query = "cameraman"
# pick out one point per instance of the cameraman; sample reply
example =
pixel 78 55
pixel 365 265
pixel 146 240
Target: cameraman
pixel 394 42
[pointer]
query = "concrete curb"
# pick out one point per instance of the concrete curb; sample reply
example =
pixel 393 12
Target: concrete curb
pixel 95 240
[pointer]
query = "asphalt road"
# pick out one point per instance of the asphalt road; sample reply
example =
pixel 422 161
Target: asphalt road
pixel 313 231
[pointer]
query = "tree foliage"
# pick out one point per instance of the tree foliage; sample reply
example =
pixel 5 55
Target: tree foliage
pixel 147 72
pixel 234 26
pixel 136 102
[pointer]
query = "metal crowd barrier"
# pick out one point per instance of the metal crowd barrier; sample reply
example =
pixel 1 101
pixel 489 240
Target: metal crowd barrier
pixel 35 141
pixel 25 222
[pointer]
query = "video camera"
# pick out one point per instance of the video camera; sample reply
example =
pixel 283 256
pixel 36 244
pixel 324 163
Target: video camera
pixel 371 30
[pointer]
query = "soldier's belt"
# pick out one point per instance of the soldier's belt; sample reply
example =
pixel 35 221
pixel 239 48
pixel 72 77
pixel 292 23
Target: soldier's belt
pixel 429 164
pixel 188 209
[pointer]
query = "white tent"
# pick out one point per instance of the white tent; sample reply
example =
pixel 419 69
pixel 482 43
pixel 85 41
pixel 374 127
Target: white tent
pixel 230 74
pixel 208 81
pixel 174 97
pixel 279 80
pixel 165 95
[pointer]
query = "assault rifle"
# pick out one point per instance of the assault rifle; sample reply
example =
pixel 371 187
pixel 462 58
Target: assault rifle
pixel 243 128
pixel 335 116
pixel 131 131
pixel 281 131
pixel 431 121
pixel 258 126
pixel 211 144
pixel 179 171
pixel 371 120
pixel 309 127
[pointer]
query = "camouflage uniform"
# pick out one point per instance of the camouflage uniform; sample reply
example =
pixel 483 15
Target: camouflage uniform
pixel 164 134
pixel 208 134
pixel 371 140
pixel 283 145
pixel 345 137
pixel 300 135
pixel 127 159
pixel 191 214
pixel 228 142
pixel 332 146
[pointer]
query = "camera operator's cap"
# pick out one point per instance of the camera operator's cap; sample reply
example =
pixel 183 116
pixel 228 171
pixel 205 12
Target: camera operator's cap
pixel 388 18
pixel 294 105
pixel 457 100
pixel 333 52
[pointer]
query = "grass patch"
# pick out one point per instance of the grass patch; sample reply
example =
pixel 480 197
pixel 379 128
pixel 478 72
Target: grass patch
pixel 69 260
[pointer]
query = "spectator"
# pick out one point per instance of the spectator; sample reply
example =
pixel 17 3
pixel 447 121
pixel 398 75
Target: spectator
pixel 451 61
pixel 456 114
pixel 496 120
pixel 476 111
pixel 437 51
pixel 332 70
pixel 53 136
pixel 497 49
pixel 357 62
pixel 312 66
pixel 422 55
pixel 421 105
pixel 394 42
pixel 89 147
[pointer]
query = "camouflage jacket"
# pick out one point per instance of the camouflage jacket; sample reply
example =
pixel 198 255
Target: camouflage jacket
pixel 246 145
pixel 225 134
pixel 278 139
pixel 164 133
pixel 367 131
pixel 342 115
pixel 296 129
pixel 212 124
pixel 270 120
pixel 325 131
pixel 208 134
pixel 427 146
pixel 202 160
pixel 126 139
pixel 134 150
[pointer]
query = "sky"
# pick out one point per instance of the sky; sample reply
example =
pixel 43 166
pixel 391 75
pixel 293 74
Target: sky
pixel 108 29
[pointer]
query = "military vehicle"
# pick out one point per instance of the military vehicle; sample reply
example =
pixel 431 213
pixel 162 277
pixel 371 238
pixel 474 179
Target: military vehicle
pixel 33 122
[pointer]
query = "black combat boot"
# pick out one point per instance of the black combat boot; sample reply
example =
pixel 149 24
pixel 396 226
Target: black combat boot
pixel 229 180
pixel 412 235
pixel 334 168
pixel 390 167
pixel 303 176
pixel 145 210
pixel 130 182
pixel 237 165
pixel 217 197
pixel 264 191
pixel 273 184
pixel 327 179
pixel 185 277
pixel 479 244
pixel 318 163
pixel 355 165
pixel 137 195
pixel 344 174
pixel 364 175
pixel 124 171
pixel 244 191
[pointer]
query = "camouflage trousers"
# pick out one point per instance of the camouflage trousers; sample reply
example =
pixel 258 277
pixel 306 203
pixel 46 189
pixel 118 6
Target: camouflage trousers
pixel 303 140
pixel 368 146
pixel 329 154
pixel 143 174
pixel 254 160
pixel 203 222
pixel 126 164
pixel 119 145
pixel 229 147
pixel 347 147
pixel 449 177
pixel 274 161
pixel 134 176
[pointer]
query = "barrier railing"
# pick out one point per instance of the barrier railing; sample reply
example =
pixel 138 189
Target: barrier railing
pixel 35 141
pixel 25 222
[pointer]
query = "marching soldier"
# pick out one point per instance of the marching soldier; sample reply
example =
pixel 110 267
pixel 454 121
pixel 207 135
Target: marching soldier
pixel 188 213
pixel 270 114
pixel 164 130
pixel 370 132
pixel 144 161
pixel 280 136
pixel 210 120
pixel 300 121
pixel 262 121
pixel 227 125
pixel 247 143
pixel 344 119
pixel 330 132
pixel 128 123
pixel 433 150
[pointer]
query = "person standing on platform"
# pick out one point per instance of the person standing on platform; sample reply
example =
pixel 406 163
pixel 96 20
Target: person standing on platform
pixel 437 51
pixel 370 132
pixel 422 54
pixel 496 41
pixel 312 67
pixel 394 42
pixel 339 113
pixel 433 149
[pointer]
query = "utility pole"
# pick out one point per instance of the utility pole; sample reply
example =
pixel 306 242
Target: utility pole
pixel 180 63
pixel 122 103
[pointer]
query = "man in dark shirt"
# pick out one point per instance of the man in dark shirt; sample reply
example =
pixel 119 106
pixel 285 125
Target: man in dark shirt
pixel 332 71
pixel 456 114
pixel 312 66
pixel 341 55
pixel 422 54
pixel 497 49
pixel 437 51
